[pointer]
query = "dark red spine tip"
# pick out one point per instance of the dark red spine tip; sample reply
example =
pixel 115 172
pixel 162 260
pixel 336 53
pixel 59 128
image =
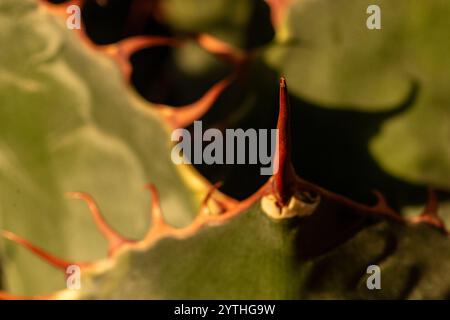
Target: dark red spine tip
pixel 285 176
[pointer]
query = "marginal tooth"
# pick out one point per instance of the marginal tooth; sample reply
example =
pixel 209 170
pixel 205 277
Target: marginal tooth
pixel 221 48
pixel 124 49
pixel 115 240
pixel 184 116
pixel 208 208
pixel 127 47
pixel 156 212
pixel 430 213
pixel 381 200
pixel 41 253
pixel 158 224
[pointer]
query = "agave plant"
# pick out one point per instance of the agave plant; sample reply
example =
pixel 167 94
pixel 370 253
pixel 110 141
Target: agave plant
pixel 363 149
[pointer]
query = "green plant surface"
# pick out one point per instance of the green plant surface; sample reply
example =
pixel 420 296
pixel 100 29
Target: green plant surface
pixel 333 60
pixel 281 260
pixel 69 122
pixel 369 111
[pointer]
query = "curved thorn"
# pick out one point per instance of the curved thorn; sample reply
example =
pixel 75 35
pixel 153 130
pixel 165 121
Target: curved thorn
pixel 278 10
pixel 49 258
pixel 430 213
pixel 381 200
pixel 220 48
pixel 181 117
pixel 158 224
pixel 124 49
pixel 204 204
pixel 382 205
pixel 115 240
pixel 127 47
pixel 284 177
pixel 157 217
pixel 224 201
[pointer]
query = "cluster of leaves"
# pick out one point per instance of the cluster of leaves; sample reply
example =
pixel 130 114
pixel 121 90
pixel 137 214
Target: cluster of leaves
pixel 92 112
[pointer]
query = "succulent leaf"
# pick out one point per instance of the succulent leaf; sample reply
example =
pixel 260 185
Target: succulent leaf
pixel 70 121
pixel 60 135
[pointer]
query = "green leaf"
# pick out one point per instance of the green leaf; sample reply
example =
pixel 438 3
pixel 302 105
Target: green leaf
pixel 323 256
pixel 331 58
pixel 243 23
pixel 69 122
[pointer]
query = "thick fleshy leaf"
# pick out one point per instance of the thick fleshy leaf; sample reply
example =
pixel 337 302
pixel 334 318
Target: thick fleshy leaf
pixel 69 122
pixel 332 59
pixel 297 258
